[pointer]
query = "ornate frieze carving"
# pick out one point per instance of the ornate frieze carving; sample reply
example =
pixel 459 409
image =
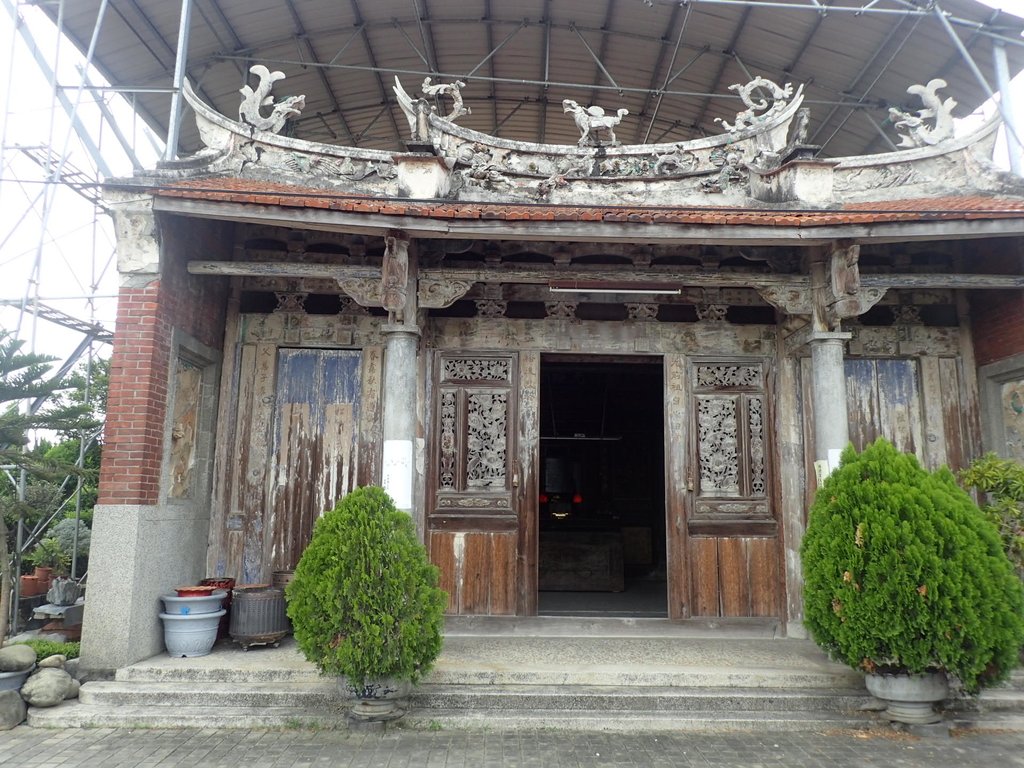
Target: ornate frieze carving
pixel 679 161
pixel 913 129
pixel 561 310
pixel 477 369
pixel 642 311
pixel 731 172
pixel 491 307
pixel 905 314
pixel 755 429
pixel 711 312
pixel 792 301
pixel 772 100
pixel 254 100
pixel 717 376
pixel 290 301
pixel 596 128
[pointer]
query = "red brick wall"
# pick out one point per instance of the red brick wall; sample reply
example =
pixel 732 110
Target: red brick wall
pixel 997 317
pixel 141 360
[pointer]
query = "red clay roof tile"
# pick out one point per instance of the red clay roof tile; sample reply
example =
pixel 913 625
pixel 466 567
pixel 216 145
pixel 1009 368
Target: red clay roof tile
pixel 247 191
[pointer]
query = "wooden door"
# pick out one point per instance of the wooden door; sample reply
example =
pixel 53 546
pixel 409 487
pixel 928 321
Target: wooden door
pixel 732 547
pixel 315 448
pixel 473 522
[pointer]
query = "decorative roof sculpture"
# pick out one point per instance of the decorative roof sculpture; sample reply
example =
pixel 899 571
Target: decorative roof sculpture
pixel 762 161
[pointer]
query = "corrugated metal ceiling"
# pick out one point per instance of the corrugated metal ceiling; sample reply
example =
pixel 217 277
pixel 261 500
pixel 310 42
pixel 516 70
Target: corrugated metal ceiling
pixel 616 53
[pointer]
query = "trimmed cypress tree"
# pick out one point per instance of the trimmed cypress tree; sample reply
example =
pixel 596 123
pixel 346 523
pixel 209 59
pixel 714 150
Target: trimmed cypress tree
pixel 364 601
pixel 903 573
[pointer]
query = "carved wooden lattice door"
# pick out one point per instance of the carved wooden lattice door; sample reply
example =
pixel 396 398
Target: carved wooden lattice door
pixel 472 519
pixel 732 542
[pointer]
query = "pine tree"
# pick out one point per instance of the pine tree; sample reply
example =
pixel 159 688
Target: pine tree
pixel 23 377
pixel 903 573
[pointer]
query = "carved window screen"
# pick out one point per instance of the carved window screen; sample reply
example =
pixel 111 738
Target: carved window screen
pixel 474 434
pixel 730 462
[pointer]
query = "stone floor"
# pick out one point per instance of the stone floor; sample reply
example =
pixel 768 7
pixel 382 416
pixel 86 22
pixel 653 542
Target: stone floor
pixel 189 748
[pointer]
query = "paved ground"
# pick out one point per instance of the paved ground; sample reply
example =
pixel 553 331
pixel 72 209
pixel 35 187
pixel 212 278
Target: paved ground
pixel 123 748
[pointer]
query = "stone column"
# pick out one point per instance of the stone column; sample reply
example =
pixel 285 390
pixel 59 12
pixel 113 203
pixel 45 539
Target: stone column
pixel 828 382
pixel 401 364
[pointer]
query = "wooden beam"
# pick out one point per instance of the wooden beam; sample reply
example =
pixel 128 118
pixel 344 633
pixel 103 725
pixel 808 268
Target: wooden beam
pixel 541 275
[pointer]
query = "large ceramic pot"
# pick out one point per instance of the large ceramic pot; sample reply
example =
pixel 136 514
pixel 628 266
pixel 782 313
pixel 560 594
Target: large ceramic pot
pixel 910 698
pixel 190 634
pixel 378 699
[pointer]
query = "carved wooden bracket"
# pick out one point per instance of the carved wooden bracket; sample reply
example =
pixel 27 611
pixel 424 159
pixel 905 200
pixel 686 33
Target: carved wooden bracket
pixel 438 293
pixel 365 291
pixel 792 301
pixel 394 278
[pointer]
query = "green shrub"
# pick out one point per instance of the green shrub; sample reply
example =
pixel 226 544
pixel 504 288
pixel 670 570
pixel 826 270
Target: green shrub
pixel 1002 482
pixel 364 601
pixel 44 648
pixel 902 572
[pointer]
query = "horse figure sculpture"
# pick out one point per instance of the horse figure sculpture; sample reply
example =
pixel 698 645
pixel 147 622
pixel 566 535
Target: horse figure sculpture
pixel 594 124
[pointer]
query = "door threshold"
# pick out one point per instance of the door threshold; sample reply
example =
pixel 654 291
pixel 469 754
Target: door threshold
pixel 610 626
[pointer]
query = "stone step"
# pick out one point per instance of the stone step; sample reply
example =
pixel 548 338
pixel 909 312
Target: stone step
pixel 325 693
pixel 314 694
pixel 562 698
pixel 73 714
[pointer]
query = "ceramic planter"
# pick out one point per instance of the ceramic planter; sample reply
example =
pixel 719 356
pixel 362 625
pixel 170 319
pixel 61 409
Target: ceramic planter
pixel 910 698
pixel 12 681
pixel 201 604
pixel 190 634
pixel 379 699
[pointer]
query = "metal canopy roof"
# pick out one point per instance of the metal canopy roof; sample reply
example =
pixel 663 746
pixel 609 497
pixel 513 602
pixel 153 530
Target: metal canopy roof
pixel 669 63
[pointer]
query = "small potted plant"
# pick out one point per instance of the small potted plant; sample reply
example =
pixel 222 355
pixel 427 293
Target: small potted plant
pixel 364 602
pixel 905 579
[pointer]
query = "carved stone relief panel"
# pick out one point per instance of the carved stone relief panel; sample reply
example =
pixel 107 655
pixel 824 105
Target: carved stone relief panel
pixel 1011 396
pixel 188 380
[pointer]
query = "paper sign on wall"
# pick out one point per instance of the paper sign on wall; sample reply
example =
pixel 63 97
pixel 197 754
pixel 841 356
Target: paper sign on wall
pixel 396 475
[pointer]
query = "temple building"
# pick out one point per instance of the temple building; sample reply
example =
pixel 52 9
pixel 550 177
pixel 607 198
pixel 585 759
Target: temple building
pixel 603 377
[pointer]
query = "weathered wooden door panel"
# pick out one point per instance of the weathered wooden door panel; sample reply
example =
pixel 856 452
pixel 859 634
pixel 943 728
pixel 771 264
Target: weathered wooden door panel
pixel 315 446
pixel 472 517
pixel 733 547
pixel 919 404
pixel 734 576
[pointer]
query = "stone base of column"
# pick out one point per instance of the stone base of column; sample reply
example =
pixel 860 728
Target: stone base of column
pixel 138 553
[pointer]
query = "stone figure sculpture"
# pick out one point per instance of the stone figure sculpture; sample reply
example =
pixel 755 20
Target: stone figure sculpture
pixel 448 89
pixel 914 131
pixel 594 124
pixel 253 102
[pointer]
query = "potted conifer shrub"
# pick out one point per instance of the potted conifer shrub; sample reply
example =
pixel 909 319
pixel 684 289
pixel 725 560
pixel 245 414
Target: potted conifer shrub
pixel 905 579
pixel 364 602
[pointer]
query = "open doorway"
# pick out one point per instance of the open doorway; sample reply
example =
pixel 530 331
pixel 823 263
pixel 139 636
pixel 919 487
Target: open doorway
pixel 602 487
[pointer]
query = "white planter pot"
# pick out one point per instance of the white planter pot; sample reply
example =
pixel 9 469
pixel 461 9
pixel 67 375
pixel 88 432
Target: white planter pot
pixel 188 605
pixel 190 634
pixel 910 698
